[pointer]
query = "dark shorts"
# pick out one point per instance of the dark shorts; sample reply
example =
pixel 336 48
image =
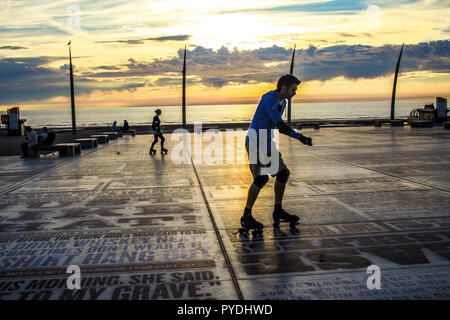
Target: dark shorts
pixel 255 168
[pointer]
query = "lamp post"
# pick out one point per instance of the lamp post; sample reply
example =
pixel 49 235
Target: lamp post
pixel 72 94
pixel 395 84
pixel 289 100
pixel 183 101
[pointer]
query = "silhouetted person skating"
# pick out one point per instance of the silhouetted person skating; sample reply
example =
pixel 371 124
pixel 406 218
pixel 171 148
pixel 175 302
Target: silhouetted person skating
pixel 157 133
pixel 266 118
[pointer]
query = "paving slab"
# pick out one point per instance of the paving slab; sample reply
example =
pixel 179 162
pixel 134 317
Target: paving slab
pixel 144 227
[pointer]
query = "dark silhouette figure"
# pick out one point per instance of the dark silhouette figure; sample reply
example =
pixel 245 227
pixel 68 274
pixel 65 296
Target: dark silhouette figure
pixel 157 133
pixel 46 138
pixel 28 147
pixel 126 126
pixel 268 117
pixel 115 128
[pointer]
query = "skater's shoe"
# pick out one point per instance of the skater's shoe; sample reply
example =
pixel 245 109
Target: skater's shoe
pixel 249 223
pixel 164 150
pixel 282 216
pixel 152 151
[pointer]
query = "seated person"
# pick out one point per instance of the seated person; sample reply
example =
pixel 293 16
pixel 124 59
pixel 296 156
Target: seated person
pixel 115 128
pixel 126 127
pixel 43 135
pixel 46 138
pixel 28 147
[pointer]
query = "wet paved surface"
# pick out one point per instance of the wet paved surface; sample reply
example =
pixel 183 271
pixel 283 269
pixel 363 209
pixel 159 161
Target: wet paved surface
pixel 143 227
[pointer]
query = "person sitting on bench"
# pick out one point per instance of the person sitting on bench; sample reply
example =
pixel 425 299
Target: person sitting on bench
pixel 126 127
pixel 43 134
pixel 115 128
pixel 32 141
pixel 47 137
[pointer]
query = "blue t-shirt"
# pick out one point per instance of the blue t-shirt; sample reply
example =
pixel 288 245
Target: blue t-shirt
pixel 267 114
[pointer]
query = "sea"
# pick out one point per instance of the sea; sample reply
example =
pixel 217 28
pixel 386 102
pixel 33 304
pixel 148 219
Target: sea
pixel 93 117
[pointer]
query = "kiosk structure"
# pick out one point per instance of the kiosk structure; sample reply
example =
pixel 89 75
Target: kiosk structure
pixel 14 123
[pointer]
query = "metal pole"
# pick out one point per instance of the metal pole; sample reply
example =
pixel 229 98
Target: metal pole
pixel 395 84
pixel 72 93
pixel 184 91
pixel 289 100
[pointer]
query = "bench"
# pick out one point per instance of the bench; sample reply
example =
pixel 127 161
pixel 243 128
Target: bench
pixel 111 135
pixel 101 138
pixel 131 132
pixel 393 123
pixel 87 143
pixel 64 149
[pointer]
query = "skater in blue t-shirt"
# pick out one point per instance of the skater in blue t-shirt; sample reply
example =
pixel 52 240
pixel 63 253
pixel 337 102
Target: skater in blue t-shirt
pixel 266 118
pixel 157 133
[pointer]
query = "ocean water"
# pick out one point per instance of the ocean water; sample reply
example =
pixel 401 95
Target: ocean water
pixel 89 117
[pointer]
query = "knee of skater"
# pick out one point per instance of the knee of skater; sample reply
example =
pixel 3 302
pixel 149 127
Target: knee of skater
pixel 283 176
pixel 261 181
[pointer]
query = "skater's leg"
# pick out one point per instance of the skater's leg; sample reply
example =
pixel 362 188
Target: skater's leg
pixel 155 141
pixel 162 140
pixel 254 189
pixel 280 185
pixel 252 195
pixel 279 188
pixel 278 213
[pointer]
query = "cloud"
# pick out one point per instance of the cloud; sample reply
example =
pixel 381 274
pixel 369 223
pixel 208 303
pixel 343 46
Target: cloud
pixel 218 68
pixel 107 68
pixel 325 6
pixel 12 48
pixel 355 62
pixel 34 31
pixel 24 79
pixel 223 67
pixel 29 78
pixel 183 37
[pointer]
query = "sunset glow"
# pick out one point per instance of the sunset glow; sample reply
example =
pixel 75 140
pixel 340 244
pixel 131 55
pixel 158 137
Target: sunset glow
pixel 129 53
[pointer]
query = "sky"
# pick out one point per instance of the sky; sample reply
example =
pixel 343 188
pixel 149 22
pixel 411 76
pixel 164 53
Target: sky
pixel 130 52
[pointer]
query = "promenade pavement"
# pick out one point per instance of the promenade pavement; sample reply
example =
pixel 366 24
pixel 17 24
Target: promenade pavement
pixel 374 205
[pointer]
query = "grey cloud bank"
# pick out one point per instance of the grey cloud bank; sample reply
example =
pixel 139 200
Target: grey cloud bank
pixel 28 78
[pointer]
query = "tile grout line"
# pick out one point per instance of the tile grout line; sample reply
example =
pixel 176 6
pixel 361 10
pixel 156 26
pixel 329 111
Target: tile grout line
pixel 219 238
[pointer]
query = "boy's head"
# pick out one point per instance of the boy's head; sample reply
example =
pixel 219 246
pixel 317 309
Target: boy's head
pixel 287 86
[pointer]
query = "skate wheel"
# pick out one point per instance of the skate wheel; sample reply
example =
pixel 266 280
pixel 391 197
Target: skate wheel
pixel 243 231
pixel 294 230
pixel 257 233
pixel 277 232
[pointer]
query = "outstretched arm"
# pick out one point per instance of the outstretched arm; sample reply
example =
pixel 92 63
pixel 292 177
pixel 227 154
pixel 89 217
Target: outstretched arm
pixel 272 110
pixel 285 129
